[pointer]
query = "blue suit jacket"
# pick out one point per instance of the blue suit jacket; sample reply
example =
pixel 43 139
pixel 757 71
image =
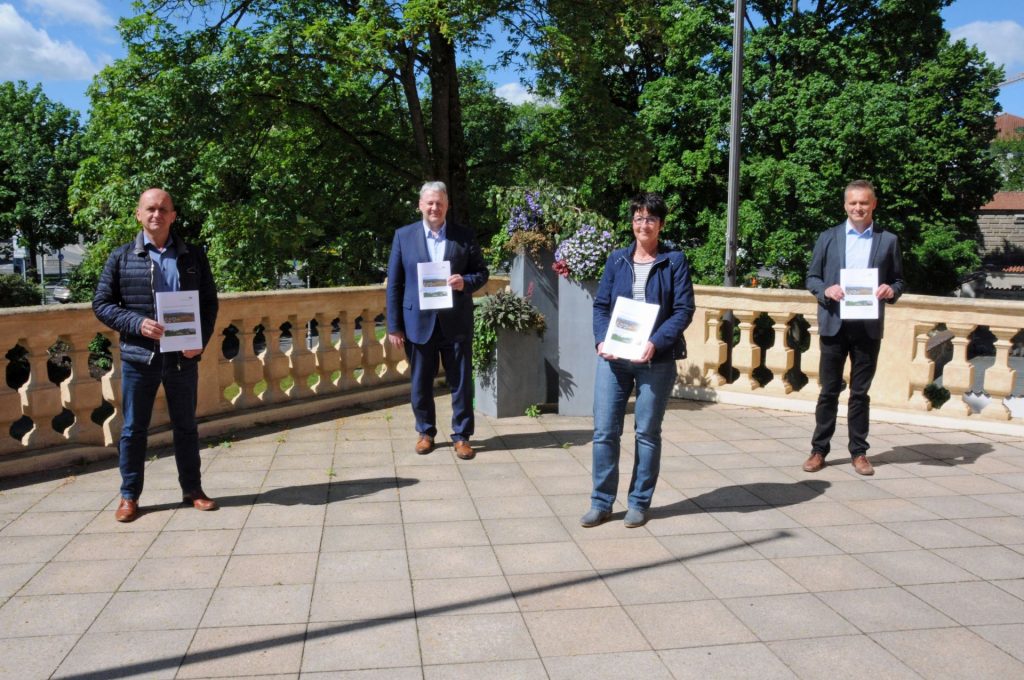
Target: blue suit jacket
pixel 830 257
pixel 408 249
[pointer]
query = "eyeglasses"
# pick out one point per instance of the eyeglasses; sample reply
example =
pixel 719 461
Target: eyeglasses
pixel 648 219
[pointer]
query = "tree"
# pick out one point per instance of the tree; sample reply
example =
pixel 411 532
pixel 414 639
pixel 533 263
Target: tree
pixel 39 151
pixel 292 131
pixel 866 88
pixel 1008 156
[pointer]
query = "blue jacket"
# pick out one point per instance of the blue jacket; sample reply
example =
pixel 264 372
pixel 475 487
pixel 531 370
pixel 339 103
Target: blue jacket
pixel 125 297
pixel 403 313
pixel 668 286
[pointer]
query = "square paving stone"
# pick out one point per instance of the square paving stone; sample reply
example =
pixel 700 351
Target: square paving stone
pixel 880 609
pixel 24 549
pixel 194 543
pixel 824 513
pixel 541 558
pixel 855 657
pixel 990 563
pixel 750 661
pixel 626 553
pixel 561 590
pixel 661 583
pixel 14 576
pixel 442 510
pixel 369 537
pixel 973 603
pixel 797 542
pixel 371 565
pixel 348 514
pixel 958 507
pixel 462 595
pixel 909 567
pixel 941 533
pixel 445 534
pixel 525 669
pixel 39 615
pixel 362 600
pixel 615 666
pixel 745 579
pixel 787 617
pixel 33 657
pixel 276 540
pixel 495 637
pixel 707 622
pixel 513 507
pixel 862 538
pixel 154 610
pixel 525 530
pixel 270 570
pixel 286 516
pixel 1005 530
pixel 584 631
pixel 170 573
pixel 831 572
pixel 94 576
pixel 188 519
pixel 106 547
pixel 49 523
pixel 244 651
pixel 139 654
pixel 258 605
pixel 453 562
pixel 717 547
pixel 66 500
pixel 891 509
pixel 950 653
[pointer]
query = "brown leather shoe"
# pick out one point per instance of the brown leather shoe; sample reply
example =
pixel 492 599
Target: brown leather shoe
pixel 463 450
pixel 199 500
pixel 863 466
pixel 127 510
pixel 425 444
pixel 814 462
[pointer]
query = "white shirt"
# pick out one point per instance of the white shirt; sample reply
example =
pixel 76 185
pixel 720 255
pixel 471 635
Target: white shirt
pixel 858 246
pixel 436 242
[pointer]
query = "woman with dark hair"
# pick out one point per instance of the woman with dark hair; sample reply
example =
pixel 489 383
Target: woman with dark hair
pixel 646 271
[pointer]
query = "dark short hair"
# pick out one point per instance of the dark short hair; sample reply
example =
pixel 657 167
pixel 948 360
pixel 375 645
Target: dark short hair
pixel 860 184
pixel 652 202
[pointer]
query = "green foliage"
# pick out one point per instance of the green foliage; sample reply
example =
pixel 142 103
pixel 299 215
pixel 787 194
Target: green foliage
pixel 39 151
pixel 1008 156
pixel 503 310
pixel 936 395
pixel 532 411
pixel 17 292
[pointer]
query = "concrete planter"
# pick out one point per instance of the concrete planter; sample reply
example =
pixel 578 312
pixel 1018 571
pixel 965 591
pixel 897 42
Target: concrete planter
pixel 534 279
pixel 515 379
pixel 577 360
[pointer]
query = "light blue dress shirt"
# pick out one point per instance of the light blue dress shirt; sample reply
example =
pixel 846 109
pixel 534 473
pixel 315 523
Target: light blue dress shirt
pixel 858 246
pixel 165 273
pixel 436 243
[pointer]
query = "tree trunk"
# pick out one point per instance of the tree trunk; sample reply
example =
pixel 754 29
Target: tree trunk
pixel 405 58
pixel 449 144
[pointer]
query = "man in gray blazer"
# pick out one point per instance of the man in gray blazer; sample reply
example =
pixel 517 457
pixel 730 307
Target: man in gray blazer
pixel 855 244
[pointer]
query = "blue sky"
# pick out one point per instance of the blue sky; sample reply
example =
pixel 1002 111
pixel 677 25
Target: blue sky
pixel 63 43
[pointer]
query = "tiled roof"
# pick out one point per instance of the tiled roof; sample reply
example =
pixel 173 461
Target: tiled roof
pixel 1008 126
pixel 1006 200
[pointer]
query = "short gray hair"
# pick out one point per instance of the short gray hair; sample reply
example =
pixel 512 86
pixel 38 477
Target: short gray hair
pixel 437 186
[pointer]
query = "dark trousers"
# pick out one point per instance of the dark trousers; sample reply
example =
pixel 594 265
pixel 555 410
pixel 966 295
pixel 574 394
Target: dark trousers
pixel 852 341
pixel 456 357
pixel 139 384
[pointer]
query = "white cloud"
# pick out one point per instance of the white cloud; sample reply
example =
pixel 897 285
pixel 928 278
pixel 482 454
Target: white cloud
pixel 89 12
pixel 1002 41
pixel 515 93
pixel 29 53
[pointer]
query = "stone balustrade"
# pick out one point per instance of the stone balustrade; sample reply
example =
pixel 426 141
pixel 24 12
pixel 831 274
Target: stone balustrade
pixel 972 348
pixel 299 351
pixel 286 351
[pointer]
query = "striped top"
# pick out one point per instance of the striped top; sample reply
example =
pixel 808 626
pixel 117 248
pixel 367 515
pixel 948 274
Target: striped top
pixel 640 274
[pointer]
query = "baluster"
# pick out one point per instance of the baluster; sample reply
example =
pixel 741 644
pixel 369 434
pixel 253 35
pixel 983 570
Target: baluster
pixel 111 386
pixel 921 370
pixel 746 355
pixel 81 393
pixel 328 360
pixel 303 360
pixel 42 397
pixel 958 374
pixel 810 362
pixel 999 378
pixel 249 366
pixel 349 351
pixel 780 357
pixel 276 361
pixel 373 349
pixel 716 352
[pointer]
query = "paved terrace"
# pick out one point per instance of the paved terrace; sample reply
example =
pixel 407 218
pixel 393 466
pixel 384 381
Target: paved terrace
pixel 339 553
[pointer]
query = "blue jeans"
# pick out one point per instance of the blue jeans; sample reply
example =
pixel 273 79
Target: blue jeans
pixel 613 385
pixel 139 384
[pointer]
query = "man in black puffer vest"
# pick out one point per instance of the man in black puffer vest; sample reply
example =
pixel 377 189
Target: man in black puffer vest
pixel 156 261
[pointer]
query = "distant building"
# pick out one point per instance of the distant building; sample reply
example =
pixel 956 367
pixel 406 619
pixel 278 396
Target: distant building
pixel 1009 126
pixel 1001 223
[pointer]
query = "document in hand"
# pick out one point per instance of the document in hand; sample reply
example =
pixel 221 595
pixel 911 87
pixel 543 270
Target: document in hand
pixel 435 293
pixel 630 328
pixel 178 313
pixel 859 301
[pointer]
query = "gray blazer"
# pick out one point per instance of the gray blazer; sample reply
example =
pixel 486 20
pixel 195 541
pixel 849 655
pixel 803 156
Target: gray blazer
pixel 830 256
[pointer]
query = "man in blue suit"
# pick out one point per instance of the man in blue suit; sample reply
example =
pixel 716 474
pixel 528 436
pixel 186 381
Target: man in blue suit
pixel 855 244
pixel 428 334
